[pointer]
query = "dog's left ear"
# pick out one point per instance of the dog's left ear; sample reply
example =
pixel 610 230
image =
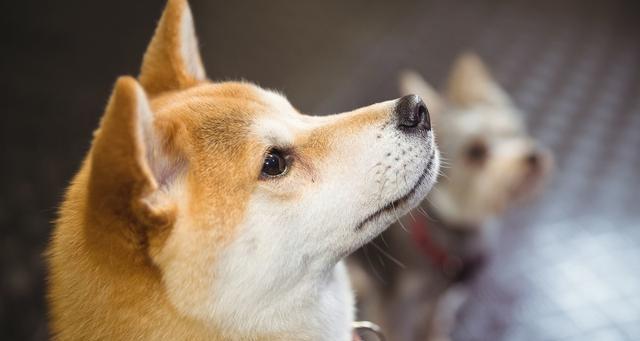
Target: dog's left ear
pixel 172 60
pixel 471 83
pixel 130 159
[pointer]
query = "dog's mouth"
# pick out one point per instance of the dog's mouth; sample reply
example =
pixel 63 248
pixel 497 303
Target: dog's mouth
pixel 399 202
pixel 528 187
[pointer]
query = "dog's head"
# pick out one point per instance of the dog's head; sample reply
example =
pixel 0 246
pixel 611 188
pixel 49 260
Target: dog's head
pixel 239 200
pixel 492 161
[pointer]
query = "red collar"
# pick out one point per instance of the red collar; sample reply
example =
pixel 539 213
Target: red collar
pixel 432 250
pixel 425 243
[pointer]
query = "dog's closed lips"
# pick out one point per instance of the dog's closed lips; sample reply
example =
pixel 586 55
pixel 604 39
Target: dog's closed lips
pixel 397 203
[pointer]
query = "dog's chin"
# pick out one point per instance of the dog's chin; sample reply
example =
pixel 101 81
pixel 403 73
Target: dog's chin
pixel 379 220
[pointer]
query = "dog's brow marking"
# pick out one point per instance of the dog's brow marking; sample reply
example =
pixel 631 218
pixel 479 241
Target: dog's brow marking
pixel 274 132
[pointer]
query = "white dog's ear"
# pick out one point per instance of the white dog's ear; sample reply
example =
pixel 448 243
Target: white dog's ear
pixel 172 60
pixel 412 83
pixel 470 83
pixel 128 159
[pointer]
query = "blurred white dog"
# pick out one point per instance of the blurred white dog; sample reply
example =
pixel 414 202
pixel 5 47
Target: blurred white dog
pixel 492 163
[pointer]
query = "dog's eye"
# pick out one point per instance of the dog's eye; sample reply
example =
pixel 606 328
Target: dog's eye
pixel 274 164
pixel 477 152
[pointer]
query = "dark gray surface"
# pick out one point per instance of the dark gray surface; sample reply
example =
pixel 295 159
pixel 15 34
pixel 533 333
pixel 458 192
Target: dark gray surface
pixel 569 267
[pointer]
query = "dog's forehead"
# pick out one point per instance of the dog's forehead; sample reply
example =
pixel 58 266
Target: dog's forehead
pixel 280 121
pixel 227 101
pixel 488 121
pixel 276 102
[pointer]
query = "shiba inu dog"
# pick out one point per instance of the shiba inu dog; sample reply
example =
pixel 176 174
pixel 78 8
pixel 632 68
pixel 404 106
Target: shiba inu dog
pixel 216 211
pixel 493 163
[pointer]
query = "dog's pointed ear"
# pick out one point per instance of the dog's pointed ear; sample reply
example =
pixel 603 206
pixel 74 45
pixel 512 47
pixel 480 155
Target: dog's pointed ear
pixel 172 60
pixel 128 159
pixel 411 82
pixel 471 82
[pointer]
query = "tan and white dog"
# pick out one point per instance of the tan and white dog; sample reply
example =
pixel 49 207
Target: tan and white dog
pixel 216 211
pixel 493 163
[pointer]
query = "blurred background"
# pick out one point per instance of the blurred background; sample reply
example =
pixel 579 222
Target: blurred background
pixel 567 267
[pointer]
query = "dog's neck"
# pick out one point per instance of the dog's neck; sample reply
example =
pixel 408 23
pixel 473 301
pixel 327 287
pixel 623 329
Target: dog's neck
pixel 440 221
pixel 453 249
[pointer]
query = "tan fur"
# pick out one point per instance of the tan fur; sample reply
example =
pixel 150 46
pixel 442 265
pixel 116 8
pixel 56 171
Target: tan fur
pixel 106 199
pixel 164 67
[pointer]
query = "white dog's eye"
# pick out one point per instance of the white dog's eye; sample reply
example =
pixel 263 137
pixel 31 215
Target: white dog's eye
pixel 477 152
pixel 275 164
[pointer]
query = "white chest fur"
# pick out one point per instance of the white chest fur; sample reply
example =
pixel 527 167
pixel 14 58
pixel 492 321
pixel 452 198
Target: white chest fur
pixel 309 311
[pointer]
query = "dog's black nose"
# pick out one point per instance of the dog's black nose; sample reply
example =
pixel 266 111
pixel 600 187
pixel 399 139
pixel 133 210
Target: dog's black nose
pixel 412 114
pixel 533 160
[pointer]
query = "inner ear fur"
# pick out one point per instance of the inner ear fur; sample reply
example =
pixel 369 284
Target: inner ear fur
pixel 470 82
pixel 172 60
pixel 127 157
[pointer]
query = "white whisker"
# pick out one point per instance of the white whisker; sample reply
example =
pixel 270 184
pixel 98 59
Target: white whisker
pixel 373 268
pixel 393 259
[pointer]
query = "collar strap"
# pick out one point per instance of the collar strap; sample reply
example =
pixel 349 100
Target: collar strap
pixel 429 247
pixel 451 265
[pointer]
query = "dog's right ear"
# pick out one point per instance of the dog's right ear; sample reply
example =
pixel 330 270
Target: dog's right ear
pixel 412 83
pixel 471 83
pixel 172 60
pixel 129 162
